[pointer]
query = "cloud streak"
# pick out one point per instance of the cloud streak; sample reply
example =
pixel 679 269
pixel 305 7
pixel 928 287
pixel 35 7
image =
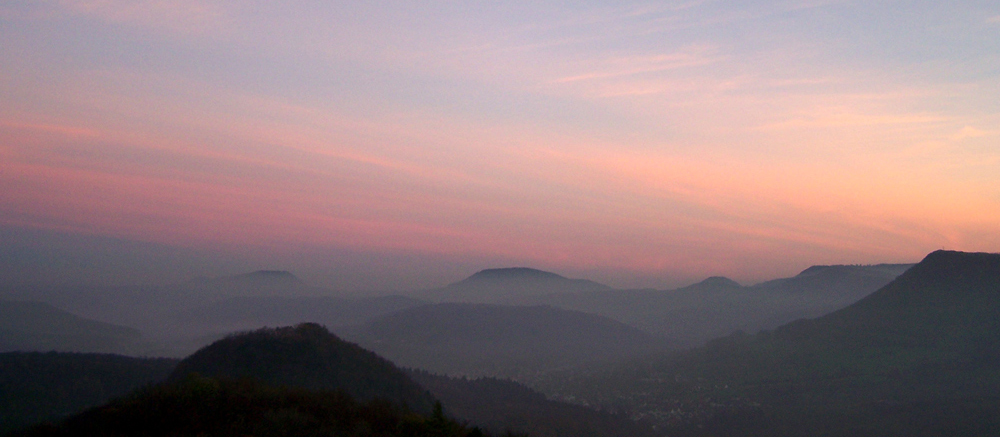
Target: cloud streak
pixel 675 140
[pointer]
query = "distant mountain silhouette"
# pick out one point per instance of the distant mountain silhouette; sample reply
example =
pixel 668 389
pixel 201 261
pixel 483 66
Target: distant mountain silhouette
pixel 512 274
pixel 36 326
pixel 306 356
pixel 178 318
pixel 715 283
pixel 920 356
pixel 509 286
pixel 38 386
pixel 495 340
pixel 719 306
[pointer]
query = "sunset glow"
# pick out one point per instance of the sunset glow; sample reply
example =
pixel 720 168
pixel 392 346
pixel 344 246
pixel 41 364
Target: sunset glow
pixel 641 144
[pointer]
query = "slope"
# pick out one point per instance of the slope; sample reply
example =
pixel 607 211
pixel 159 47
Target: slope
pixel 36 326
pixel 495 340
pixel 921 356
pixel 306 356
pixel 719 306
pixel 499 405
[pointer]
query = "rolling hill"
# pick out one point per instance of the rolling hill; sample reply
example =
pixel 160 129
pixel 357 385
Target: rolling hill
pixel 719 306
pixel 496 340
pixel 508 286
pixel 36 326
pixel 306 356
pixel 920 356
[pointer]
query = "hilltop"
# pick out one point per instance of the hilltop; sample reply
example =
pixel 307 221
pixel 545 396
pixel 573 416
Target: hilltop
pixel 509 286
pixel 306 356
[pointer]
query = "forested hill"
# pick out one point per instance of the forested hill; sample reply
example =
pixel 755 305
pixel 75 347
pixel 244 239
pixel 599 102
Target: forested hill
pixel 921 356
pixel 38 386
pixel 306 356
pixel 499 405
pixel 200 406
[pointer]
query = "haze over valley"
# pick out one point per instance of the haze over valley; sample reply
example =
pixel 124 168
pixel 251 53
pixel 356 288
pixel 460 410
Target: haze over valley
pixel 654 218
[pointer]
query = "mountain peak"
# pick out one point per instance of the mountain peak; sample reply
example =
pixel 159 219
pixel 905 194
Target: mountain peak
pixel 943 279
pixel 512 273
pixel 951 265
pixel 718 281
pixel 510 285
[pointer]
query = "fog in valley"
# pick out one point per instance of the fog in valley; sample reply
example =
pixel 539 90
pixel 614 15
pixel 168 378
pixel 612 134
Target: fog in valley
pixel 656 218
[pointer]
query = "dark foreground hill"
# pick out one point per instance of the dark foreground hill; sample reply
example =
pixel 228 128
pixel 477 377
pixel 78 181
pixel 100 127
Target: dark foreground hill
pixel 921 356
pixel 499 405
pixel 306 360
pixel 36 326
pixel 495 340
pixel 46 386
pixel 200 406
pixel 306 356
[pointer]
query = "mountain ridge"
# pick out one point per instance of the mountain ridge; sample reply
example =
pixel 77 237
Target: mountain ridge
pixel 920 356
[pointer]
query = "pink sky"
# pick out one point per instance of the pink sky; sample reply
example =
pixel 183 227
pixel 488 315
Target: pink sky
pixel 641 145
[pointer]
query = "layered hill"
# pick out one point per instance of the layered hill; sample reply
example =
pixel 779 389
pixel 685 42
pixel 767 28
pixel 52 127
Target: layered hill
pixel 306 356
pixel 497 340
pixel 920 356
pixel 508 286
pixel 248 312
pixel 719 306
pixel 36 326
pixel 153 309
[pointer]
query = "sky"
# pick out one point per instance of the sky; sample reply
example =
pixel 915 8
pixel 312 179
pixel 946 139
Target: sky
pixel 407 144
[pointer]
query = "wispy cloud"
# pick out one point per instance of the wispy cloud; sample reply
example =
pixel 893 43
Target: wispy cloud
pixel 993 20
pixel 179 16
pixel 635 65
pixel 841 118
